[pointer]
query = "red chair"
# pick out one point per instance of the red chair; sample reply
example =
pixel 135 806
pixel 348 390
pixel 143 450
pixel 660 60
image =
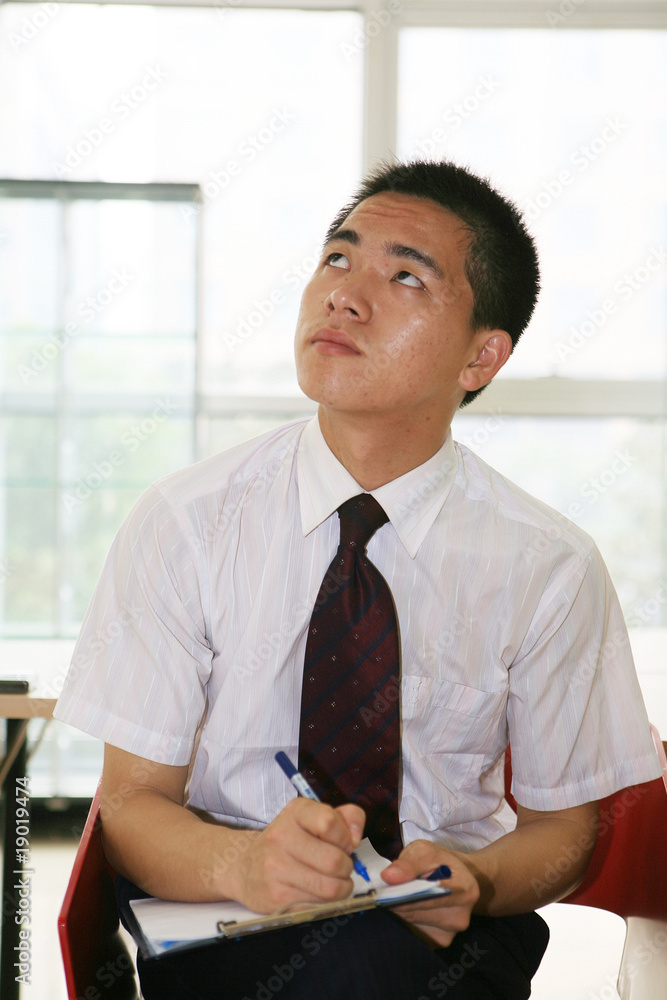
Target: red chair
pixel 627 875
pixel 96 959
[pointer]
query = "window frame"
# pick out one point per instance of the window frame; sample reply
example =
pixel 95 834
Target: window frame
pixel 555 395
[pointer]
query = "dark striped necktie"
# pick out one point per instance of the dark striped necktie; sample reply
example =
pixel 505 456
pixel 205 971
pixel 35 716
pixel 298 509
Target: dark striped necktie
pixel 349 741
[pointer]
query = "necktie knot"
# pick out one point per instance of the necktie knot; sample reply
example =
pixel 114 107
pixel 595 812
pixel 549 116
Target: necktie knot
pixel 360 517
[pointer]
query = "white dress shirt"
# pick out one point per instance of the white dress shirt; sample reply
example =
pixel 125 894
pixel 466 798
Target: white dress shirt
pixel 193 645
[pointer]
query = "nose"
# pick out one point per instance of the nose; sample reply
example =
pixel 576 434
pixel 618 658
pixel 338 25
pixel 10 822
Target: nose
pixel 350 298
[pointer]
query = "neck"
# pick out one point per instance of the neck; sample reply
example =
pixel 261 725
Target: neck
pixel 376 452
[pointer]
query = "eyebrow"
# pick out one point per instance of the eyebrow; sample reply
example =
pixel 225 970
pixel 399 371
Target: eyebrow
pixel 419 257
pixel 392 250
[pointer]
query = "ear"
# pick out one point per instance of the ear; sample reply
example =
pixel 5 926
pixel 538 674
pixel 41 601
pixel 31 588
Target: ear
pixel 490 354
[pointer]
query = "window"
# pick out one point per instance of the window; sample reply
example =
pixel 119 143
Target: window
pixel 99 314
pixel 565 124
pixel 272 115
pixel 164 213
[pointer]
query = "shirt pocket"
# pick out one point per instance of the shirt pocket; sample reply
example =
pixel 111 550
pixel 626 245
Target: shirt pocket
pixel 444 717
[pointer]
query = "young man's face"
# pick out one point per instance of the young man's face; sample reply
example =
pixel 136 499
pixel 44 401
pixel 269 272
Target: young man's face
pixel 384 321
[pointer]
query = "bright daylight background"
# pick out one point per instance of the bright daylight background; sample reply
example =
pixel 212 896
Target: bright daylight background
pixel 146 316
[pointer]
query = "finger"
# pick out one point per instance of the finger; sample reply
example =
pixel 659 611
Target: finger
pixel 355 819
pixel 440 923
pixel 303 869
pixel 325 859
pixel 322 870
pixel 452 918
pixel 304 883
pixel 338 827
pixel 440 926
pixel 303 886
pixel 435 935
pixel 316 835
pixel 423 907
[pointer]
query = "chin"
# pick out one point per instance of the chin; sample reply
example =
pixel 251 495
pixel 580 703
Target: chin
pixel 310 387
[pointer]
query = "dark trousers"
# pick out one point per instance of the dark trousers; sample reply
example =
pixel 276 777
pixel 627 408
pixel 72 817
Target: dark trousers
pixel 363 956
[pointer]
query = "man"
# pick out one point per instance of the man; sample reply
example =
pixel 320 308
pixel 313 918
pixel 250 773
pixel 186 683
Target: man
pixel 509 630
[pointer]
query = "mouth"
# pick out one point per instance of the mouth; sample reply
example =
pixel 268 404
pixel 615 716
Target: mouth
pixel 334 342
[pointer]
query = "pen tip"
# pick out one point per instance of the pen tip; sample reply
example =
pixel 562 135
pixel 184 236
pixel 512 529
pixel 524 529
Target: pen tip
pixel 360 869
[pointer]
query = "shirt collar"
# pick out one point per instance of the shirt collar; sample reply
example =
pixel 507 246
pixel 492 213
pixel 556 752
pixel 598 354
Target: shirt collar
pixel 412 502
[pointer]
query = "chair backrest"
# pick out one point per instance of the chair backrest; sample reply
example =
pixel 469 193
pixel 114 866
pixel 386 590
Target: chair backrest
pixel 628 870
pixel 661 750
pixel 95 956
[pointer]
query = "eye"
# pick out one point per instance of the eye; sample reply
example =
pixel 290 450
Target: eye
pixel 407 278
pixel 337 260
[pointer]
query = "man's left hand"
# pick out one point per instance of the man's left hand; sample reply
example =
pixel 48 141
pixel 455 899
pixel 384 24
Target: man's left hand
pixel 439 919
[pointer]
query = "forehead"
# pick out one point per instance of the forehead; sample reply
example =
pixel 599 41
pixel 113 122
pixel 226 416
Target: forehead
pixel 414 221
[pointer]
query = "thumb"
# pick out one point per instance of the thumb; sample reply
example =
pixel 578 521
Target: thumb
pixel 418 857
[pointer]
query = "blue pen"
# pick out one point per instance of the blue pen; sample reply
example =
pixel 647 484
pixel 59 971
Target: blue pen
pixel 304 789
pixel 444 871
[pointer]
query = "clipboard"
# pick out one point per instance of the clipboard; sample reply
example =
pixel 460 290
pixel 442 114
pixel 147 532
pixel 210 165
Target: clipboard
pixel 161 926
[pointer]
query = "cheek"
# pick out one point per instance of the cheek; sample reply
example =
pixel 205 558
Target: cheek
pixel 408 332
pixel 416 343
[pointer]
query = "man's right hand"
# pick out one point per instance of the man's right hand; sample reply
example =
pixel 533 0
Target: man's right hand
pixel 171 852
pixel 303 855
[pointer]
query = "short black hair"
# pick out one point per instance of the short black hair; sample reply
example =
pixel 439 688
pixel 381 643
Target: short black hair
pixel 501 260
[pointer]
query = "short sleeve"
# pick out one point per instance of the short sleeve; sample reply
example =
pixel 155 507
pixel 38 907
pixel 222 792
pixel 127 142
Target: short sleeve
pixel 577 722
pixel 139 670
